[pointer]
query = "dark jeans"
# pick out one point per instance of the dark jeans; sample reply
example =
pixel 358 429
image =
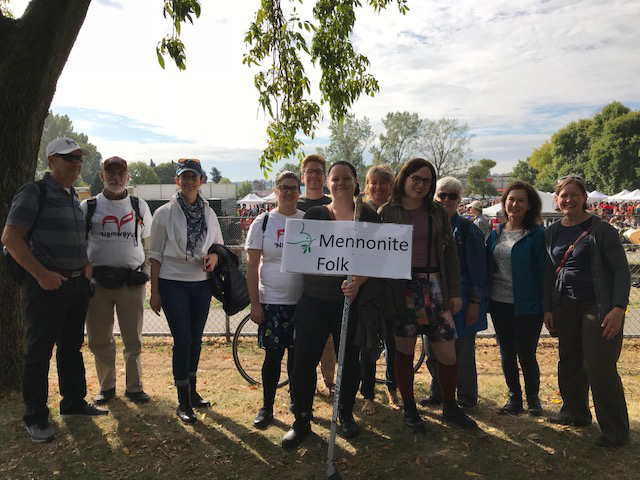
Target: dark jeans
pixel 315 320
pixel 467 373
pixel 368 367
pixel 587 359
pixel 186 306
pixel 54 317
pixel 518 338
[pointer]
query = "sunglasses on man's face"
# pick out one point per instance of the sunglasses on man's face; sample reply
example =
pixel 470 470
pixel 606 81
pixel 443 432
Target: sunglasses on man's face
pixel 185 160
pixel 451 196
pixel 70 157
pixel 572 177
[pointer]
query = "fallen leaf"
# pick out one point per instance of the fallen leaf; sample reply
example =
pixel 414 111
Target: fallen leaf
pixel 418 461
pixel 473 474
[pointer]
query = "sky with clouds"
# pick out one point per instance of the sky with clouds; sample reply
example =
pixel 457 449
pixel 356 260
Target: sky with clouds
pixel 514 71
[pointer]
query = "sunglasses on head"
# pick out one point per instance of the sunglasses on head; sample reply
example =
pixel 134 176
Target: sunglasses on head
pixel 185 160
pixel 443 196
pixel 572 177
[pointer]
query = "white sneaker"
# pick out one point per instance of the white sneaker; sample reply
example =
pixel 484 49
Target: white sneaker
pixel 40 435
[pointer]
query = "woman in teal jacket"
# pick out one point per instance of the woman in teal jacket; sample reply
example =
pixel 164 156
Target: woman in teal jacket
pixel 516 259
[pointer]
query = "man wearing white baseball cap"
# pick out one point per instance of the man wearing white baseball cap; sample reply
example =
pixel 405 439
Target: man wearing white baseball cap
pixel 479 219
pixel 55 286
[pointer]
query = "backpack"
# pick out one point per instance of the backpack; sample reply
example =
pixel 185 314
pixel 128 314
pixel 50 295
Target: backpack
pixel 92 203
pixel 14 269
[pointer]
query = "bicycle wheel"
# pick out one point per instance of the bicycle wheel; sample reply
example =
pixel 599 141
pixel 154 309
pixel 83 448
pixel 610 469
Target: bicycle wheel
pixel 248 356
pixel 419 356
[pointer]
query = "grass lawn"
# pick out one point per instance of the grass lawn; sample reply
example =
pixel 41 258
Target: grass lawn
pixel 148 442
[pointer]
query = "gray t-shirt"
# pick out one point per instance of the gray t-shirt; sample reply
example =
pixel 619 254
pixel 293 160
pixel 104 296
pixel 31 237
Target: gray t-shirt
pixel 502 281
pixel 58 232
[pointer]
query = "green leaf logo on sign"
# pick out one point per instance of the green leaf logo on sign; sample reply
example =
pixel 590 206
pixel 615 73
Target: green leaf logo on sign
pixel 304 243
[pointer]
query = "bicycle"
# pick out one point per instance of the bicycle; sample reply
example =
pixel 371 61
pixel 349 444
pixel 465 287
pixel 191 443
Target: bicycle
pixel 248 356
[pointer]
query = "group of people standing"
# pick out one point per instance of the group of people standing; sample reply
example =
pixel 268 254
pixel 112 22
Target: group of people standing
pixel 574 278
pixel 98 256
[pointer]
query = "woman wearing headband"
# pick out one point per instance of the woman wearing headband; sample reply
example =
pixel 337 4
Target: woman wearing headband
pixel 586 293
pixel 181 233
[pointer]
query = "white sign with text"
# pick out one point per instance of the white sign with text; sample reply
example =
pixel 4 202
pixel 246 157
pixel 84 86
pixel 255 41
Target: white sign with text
pixel 325 247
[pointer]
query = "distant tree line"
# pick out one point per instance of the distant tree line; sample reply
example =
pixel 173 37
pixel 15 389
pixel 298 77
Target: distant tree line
pixel 604 150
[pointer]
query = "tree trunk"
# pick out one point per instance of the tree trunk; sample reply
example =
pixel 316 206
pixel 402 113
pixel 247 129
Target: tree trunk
pixel 33 52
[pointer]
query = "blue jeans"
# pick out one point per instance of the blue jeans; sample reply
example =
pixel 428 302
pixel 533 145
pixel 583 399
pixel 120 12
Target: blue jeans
pixel 186 306
pixel 467 372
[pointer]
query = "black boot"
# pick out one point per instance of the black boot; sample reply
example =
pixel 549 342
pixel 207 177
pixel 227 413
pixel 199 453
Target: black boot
pixel 452 412
pixel 184 411
pixel 412 419
pixel 513 406
pixel 348 425
pixel 196 400
pixel 301 428
pixel 263 418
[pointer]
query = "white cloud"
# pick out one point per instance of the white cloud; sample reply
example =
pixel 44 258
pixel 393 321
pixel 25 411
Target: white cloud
pixel 514 71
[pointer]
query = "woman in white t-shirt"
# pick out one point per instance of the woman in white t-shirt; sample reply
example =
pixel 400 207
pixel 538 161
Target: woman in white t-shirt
pixel 273 293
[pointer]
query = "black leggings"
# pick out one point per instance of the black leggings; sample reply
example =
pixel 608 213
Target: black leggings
pixel 271 374
pixel 315 320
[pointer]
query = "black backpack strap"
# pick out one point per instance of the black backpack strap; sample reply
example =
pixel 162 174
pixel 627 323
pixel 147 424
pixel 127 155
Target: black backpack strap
pixel 42 195
pixel 264 222
pixel 92 203
pixel 135 203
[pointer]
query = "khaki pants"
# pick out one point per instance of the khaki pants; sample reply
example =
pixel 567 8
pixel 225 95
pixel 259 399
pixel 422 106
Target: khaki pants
pixel 328 363
pixel 129 305
pixel 588 360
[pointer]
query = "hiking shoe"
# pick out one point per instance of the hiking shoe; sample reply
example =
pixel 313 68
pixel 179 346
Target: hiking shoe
pixel 414 421
pixel 348 425
pixel 40 435
pixel 296 434
pixel 606 443
pixel 137 397
pixel 86 411
pixel 104 396
pixel 451 412
pixel 535 407
pixel 430 401
pixel 512 407
pixel 263 419
pixel 568 421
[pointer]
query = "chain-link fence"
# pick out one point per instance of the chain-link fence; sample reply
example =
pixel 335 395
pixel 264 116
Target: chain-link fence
pixel 234 232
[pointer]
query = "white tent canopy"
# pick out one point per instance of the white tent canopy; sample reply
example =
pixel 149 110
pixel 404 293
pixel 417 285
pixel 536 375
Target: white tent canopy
pixel 271 198
pixel 548 206
pixel 618 195
pixel 250 199
pixel 635 195
pixel 596 195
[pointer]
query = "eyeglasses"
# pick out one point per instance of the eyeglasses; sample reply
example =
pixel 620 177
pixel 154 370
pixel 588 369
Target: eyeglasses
pixel 570 176
pixel 417 180
pixel 70 157
pixel 290 189
pixel 314 171
pixel 451 196
pixel 185 160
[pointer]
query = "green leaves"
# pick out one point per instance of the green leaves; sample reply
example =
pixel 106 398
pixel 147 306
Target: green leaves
pixel 281 46
pixel 179 11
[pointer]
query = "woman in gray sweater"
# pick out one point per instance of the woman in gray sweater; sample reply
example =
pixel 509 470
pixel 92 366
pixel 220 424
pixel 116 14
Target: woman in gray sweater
pixel 586 293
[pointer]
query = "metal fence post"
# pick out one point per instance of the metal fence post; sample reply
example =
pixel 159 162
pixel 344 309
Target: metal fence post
pixel 227 328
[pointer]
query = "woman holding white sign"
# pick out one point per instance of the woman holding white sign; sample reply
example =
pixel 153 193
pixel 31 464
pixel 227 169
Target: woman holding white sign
pixel 319 314
pixel 433 295
pixel 273 293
